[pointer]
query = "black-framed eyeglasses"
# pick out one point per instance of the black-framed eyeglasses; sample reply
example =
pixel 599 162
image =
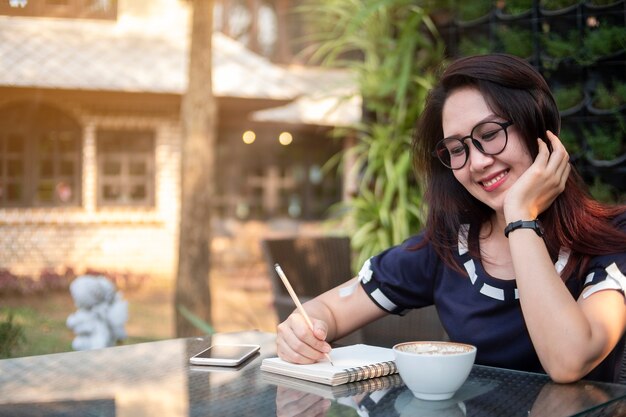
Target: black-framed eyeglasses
pixel 490 138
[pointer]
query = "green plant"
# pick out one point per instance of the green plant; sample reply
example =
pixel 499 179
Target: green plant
pixel 558 46
pixel 196 321
pixel 568 97
pixel 604 143
pixel 602 41
pixel 471 10
pixel 514 7
pixel 401 50
pixel 557 4
pixel 11 336
pixel 569 139
pixel 603 192
pixel 475 45
pixel 516 41
pixel 605 98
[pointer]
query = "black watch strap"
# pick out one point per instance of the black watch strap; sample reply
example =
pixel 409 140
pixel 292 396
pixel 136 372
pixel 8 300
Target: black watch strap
pixel 524 224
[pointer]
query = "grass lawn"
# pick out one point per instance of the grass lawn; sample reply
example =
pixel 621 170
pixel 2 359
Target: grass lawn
pixel 44 332
pixel 43 319
pixel 238 303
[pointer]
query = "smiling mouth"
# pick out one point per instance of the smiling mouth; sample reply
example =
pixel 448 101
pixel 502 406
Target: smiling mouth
pixel 494 180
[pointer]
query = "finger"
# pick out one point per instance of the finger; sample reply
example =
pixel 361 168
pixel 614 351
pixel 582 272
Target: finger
pixel 304 332
pixel 543 153
pixel 289 354
pixel 296 343
pixel 320 329
pixel 563 167
pixel 294 350
pixel 553 138
pixel 559 159
pixel 555 141
pixel 565 175
pixel 558 149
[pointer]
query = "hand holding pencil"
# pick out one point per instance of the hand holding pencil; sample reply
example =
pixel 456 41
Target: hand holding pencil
pixel 295 299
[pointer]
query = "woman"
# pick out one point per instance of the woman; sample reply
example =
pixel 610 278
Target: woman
pixel 517 258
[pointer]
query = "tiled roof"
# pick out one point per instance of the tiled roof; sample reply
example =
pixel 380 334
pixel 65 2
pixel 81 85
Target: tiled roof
pixel 333 99
pixel 106 56
pixel 340 107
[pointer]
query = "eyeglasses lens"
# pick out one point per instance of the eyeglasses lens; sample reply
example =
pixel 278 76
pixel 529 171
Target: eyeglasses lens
pixel 489 138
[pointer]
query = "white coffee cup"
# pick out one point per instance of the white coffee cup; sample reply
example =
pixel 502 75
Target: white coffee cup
pixel 434 370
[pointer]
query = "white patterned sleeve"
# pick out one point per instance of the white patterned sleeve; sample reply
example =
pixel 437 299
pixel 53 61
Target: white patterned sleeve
pixel 615 280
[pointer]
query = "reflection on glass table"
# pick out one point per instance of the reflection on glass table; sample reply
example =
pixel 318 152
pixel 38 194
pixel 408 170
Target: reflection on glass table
pixel 488 392
pixel 156 378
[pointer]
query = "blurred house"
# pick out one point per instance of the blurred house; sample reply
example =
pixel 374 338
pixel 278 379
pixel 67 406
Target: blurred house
pixel 90 95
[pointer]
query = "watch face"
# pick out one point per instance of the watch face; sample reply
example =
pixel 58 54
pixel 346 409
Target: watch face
pixel 538 228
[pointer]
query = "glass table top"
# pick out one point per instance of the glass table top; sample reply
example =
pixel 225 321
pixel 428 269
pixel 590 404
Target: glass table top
pixel 150 379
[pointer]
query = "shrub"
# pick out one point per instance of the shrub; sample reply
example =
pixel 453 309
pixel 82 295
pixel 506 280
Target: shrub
pixel 11 336
pixel 558 46
pixel 474 46
pixel 568 97
pixel 602 42
pixel 471 10
pixel 569 139
pixel 516 41
pixel 604 144
pixel 514 7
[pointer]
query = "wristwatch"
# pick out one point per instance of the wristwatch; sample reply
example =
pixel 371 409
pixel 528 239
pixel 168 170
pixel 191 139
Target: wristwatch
pixel 524 224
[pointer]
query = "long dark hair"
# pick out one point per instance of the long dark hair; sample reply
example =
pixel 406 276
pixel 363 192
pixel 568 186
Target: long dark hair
pixel 515 91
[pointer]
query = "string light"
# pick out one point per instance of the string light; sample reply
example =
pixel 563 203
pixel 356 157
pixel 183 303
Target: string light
pixel 285 138
pixel 248 137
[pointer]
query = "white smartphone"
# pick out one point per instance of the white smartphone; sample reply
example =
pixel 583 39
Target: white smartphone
pixel 224 355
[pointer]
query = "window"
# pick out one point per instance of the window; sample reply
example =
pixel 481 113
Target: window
pixel 77 9
pixel 57 162
pixel 12 172
pixel 125 168
pixel 40 157
pixel 287 182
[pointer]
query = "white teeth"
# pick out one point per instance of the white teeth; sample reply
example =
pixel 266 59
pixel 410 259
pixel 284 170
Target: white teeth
pixel 494 180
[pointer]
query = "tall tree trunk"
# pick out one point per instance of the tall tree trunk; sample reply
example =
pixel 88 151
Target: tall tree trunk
pixel 282 53
pixel 198 114
pixel 253 30
pixel 225 18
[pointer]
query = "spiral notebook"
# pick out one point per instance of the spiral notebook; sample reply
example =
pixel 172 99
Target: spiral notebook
pixel 350 364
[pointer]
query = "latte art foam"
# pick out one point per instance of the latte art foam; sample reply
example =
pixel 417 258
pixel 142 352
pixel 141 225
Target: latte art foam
pixel 430 348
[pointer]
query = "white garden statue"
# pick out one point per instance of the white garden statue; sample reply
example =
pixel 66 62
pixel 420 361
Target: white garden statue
pixel 101 313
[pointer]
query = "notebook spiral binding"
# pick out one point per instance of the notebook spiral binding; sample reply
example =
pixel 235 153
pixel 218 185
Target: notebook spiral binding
pixel 371 371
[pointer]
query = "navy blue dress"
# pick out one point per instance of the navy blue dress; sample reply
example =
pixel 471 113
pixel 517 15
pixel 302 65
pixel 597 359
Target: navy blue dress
pixel 477 308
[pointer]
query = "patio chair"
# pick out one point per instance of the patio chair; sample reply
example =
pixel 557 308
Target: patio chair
pixel 312 265
pixel 316 264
